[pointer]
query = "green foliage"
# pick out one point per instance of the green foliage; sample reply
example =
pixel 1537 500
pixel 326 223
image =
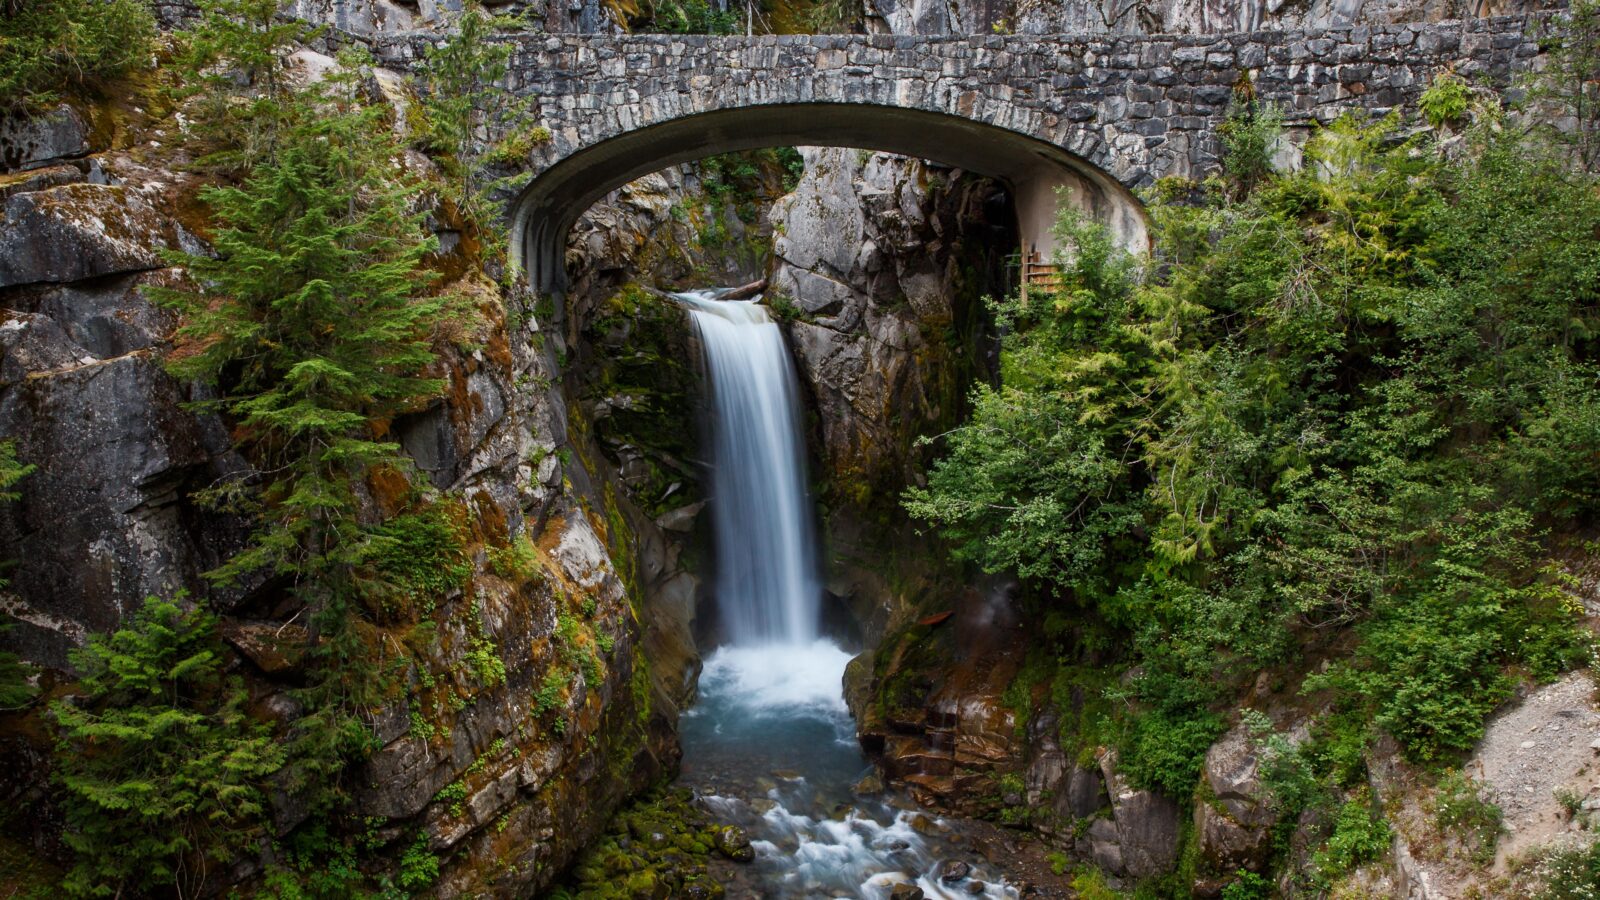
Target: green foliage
pixel 461 97
pixel 659 846
pixel 484 658
pixel 1459 808
pixel 157 760
pixel 550 693
pixel 518 561
pixel 419 867
pixel 233 77
pixel 834 16
pixel 45 46
pixel 454 796
pixel 316 862
pixel 1090 884
pixel 1355 399
pixel 1290 782
pixel 793 166
pixel 419 556
pixel 1038 482
pixel 1249 135
pixel 1360 836
pixel 313 325
pixel 1247 885
pixel 1570 873
pixel 1446 99
pixel 691 17
pixel 15 689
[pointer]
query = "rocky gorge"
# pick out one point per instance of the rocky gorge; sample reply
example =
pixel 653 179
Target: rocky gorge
pixel 562 453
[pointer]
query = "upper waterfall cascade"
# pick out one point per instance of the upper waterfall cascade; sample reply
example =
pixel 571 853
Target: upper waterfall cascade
pixel 767 584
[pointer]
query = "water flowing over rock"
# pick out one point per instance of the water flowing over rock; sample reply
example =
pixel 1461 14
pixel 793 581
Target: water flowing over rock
pixel 767 590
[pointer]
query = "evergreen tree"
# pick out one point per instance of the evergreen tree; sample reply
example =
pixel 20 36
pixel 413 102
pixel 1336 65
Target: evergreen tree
pixel 233 73
pixel 157 758
pixel 15 691
pixel 315 321
pixel 47 45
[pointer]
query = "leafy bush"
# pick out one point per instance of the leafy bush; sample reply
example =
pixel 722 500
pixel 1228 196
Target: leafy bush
pixel 45 44
pixel 1250 136
pixel 420 555
pixel 1459 808
pixel 1446 99
pixel 484 658
pixel 1247 885
pixel 157 759
pixel 1359 836
pixel 1357 397
pixel 419 867
pixel 1570 873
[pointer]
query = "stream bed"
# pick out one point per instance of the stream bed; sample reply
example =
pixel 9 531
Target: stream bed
pixel 770 747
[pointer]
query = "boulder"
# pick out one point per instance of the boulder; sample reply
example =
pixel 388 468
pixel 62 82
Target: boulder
pixel 1144 828
pixel 106 519
pixel 107 318
pixel 33 343
pixel 732 842
pixel 31 142
pixel 1234 825
pixel 73 232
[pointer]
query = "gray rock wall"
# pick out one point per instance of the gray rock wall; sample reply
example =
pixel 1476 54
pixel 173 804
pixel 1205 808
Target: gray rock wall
pixel 1166 16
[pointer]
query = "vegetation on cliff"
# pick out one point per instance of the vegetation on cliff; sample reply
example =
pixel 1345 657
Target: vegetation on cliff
pixel 1342 412
pixel 313 325
pixel 68 43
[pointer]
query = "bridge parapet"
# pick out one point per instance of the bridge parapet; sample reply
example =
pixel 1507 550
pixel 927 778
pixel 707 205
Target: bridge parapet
pixel 1114 112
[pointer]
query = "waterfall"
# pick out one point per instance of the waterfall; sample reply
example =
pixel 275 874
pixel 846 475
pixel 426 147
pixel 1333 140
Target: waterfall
pixel 769 744
pixel 767 585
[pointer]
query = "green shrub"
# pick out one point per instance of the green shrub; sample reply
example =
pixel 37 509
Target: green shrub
pixel 1250 136
pixel 1446 100
pixel 1460 809
pixel 484 658
pixel 46 44
pixel 1571 873
pixel 454 796
pixel 1359 836
pixel 550 693
pixel 1247 885
pixel 419 867
pixel 420 556
pixel 1165 751
pixel 157 760
pixel 518 561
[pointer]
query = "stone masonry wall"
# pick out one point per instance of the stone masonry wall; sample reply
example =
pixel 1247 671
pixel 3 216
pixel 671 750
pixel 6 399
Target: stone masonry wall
pixel 1138 107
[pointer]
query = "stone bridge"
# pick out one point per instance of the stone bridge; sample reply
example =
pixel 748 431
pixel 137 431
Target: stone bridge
pixel 1100 115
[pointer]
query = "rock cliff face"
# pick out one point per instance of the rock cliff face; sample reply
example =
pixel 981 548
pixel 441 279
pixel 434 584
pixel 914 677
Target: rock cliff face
pixel 881 265
pixel 108 518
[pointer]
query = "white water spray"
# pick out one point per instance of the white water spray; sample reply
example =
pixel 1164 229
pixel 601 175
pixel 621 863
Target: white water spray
pixel 767 585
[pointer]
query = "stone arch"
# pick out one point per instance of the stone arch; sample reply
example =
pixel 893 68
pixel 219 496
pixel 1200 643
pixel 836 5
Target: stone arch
pixel 1034 169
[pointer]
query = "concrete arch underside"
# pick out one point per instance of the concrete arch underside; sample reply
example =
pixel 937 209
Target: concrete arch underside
pixel 1036 171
